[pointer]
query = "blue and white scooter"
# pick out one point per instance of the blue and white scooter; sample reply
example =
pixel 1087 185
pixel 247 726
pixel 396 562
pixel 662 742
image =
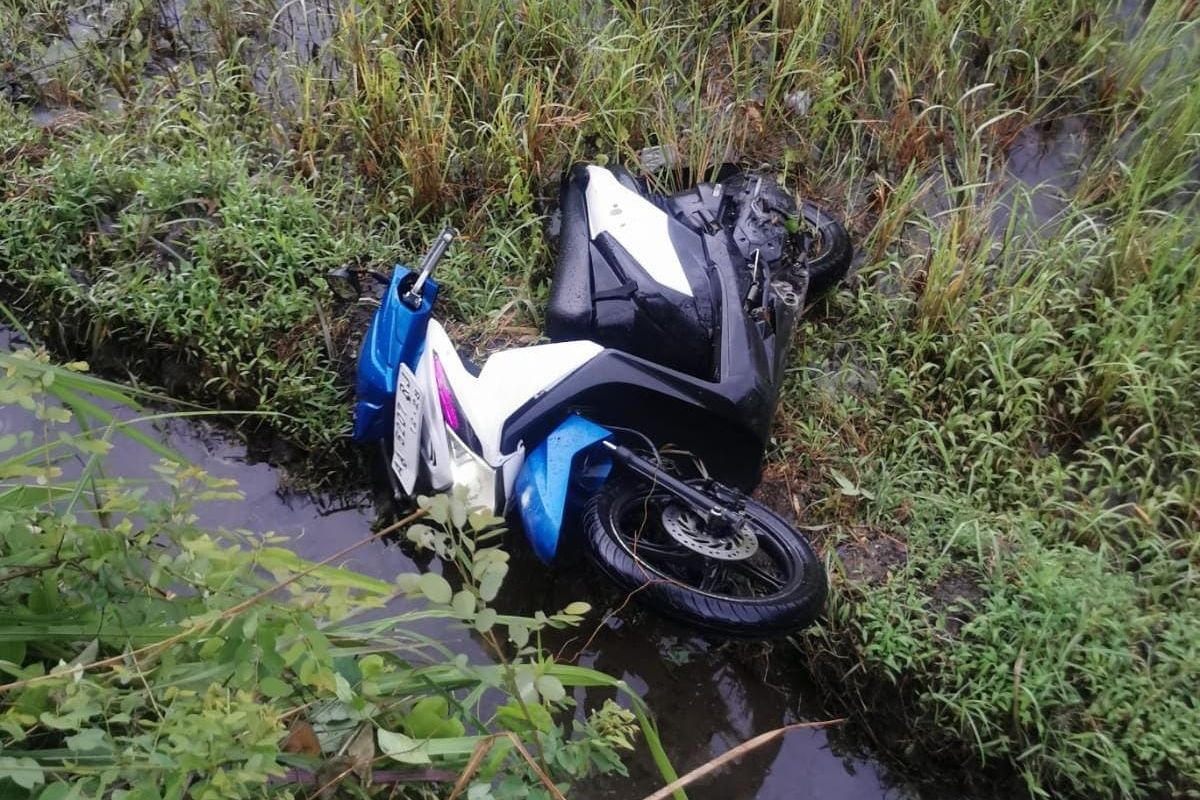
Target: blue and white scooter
pixel 646 417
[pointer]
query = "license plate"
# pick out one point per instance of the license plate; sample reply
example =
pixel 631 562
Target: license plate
pixel 406 432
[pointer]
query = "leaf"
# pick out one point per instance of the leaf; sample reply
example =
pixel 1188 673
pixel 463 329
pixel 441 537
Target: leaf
pixel 436 588
pixel 550 688
pixel 501 747
pixel 480 791
pixel 63 722
pixel 302 739
pixel 402 748
pixel 422 724
pixel 283 560
pixel 525 680
pixel 463 603
pixel 13 652
pixel 458 513
pixel 450 729
pixel 211 647
pixel 34 700
pixel 55 791
pixel 437 705
pixel 485 619
pixel 274 687
pixel 482 519
pixel 847 486
pixel 88 739
pixel 371 666
pixel 420 535
pixel 87 655
pixel 512 716
pixel 491 581
pixel 408 582
pixel 518 633
pixel 342 688
pixel 361 751
pixel 429 719
pixel 578 608
pixel 438 507
pixel 24 772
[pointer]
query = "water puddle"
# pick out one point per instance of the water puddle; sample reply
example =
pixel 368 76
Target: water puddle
pixel 1041 171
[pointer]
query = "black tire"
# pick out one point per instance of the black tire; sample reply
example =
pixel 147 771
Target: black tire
pixel 794 604
pixel 832 260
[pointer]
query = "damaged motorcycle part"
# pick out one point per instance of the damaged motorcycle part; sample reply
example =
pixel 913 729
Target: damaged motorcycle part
pixel 654 342
pixel 412 298
pixel 721 584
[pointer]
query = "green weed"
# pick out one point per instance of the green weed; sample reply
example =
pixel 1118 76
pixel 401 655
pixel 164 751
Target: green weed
pixel 143 655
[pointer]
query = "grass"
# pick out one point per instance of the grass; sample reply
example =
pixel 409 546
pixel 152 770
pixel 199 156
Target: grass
pixel 992 428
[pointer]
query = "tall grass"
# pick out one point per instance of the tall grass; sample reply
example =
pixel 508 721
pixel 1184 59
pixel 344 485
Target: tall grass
pixel 1009 402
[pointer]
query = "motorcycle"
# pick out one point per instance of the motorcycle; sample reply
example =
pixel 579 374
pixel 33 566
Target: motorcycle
pixel 640 428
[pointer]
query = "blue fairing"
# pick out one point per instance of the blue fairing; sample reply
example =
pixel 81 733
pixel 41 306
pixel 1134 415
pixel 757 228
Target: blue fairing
pixel 542 484
pixel 396 336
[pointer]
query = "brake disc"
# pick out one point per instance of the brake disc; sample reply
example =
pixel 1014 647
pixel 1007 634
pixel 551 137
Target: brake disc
pixel 686 527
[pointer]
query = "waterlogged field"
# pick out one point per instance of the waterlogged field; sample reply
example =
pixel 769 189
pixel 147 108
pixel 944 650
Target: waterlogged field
pixel 991 431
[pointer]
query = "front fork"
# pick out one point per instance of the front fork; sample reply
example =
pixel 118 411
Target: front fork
pixel 558 466
pixel 721 510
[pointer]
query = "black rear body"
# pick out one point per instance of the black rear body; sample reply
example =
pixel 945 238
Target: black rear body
pixel 700 371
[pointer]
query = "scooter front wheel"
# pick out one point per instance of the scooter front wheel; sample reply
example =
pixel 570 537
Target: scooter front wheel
pixel 761 580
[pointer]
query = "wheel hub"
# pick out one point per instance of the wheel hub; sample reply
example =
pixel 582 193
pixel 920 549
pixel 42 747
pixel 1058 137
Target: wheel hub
pixel 687 528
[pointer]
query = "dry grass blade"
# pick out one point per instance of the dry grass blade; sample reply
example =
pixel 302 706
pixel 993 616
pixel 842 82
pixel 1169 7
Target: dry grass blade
pixel 537 768
pixel 471 767
pixel 733 755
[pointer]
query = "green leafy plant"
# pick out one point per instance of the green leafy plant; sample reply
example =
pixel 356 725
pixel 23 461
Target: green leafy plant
pixel 143 656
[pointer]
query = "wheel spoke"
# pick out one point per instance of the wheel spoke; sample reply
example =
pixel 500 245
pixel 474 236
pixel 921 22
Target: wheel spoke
pixel 748 570
pixel 644 548
pixel 715 578
pixel 658 538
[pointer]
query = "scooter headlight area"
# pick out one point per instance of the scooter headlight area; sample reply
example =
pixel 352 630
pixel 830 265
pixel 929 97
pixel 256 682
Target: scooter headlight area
pixel 645 417
pixel 395 338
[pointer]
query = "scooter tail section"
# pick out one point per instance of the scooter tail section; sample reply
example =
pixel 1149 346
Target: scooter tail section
pixel 545 479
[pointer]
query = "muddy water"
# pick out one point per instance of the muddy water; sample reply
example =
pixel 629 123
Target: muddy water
pixel 708 697
pixel 1040 172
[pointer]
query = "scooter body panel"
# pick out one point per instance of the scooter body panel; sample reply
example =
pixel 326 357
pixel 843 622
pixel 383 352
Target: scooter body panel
pixel 396 336
pixel 464 414
pixel 451 430
pixel 639 226
pixel 545 480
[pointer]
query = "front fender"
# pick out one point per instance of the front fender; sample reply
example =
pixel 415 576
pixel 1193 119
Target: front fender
pixel 544 480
